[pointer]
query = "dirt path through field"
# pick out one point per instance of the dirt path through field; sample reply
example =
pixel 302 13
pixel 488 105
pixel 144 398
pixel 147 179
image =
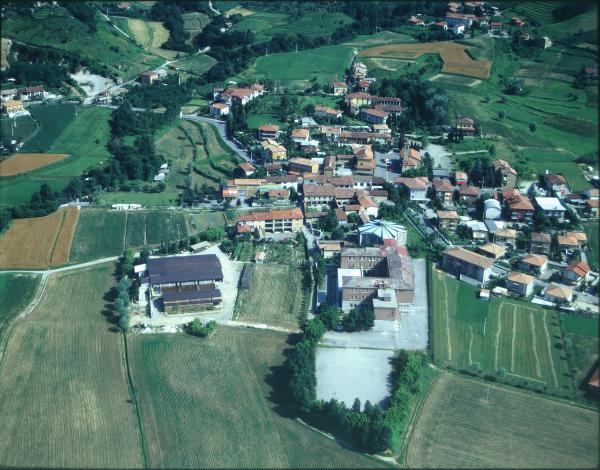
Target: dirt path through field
pixel 549 343
pixel 512 345
pixel 447 315
pixel 470 344
pixel 538 369
pixel 498 336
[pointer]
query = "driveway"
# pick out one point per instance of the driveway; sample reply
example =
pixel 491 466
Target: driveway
pixel 441 157
pixel 367 379
pixel 414 323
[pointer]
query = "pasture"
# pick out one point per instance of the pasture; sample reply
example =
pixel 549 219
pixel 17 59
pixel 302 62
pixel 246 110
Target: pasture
pixel 455 56
pixel 52 119
pixel 24 162
pixel 210 403
pixel 101 233
pixel 276 297
pixel 466 423
pixel 39 242
pixel 84 138
pixel 64 396
pixel 326 64
pixel 16 291
pixel 520 337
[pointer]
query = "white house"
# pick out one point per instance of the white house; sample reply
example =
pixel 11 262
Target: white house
pixel 551 207
pixel 416 187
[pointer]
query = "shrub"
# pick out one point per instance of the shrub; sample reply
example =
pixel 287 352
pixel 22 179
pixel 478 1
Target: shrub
pixel 197 328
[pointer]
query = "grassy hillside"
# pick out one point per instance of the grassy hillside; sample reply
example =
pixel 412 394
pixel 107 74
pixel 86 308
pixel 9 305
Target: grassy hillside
pixel 64 397
pixel 56 28
pixel 209 403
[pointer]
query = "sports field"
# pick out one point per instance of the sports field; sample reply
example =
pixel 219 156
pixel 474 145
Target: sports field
pixel 275 297
pixel 102 233
pixel 39 242
pixel 64 397
pixel 24 162
pixel 466 423
pixel 456 59
pixel 209 403
pixel 520 337
pixel 16 291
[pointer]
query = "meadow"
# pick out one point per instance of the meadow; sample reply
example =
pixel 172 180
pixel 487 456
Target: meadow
pixel 52 120
pixel 296 69
pixel 64 396
pixel 467 423
pixel 275 297
pixel 105 46
pixel 584 342
pixel 455 57
pixel 208 403
pixel 16 291
pixel 520 337
pixel 84 139
pixel 101 233
pixel 39 242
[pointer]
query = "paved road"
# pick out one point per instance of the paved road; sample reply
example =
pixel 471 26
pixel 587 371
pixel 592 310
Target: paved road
pixel 381 168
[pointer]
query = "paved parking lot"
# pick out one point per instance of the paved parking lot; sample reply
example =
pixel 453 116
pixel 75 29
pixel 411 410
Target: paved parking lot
pixel 346 374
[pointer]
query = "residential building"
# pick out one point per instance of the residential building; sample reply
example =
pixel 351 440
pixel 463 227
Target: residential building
pixel 459 19
pixel 443 190
pixel 300 136
pixel 441 25
pixel 219 109
pixel 359 71
pixel 303 165
pixel 243 187
pixel 506 175
pixel 551 207
pixel 576 273
pixel 329 248
pixel 534 264
pixel 268 131
pixel 458 261
pixel 354 101
pixel 540 242
pixel 506 237
pixel 13 108
pixel 491 250
pixel 581 238
pixel 556 184
pixel 274 150
pixel 379 232
pixel 461 178
pixel 363 85
pixel 557 293
pixel 478 229
pixel 592 207
pixel 390 104
pixel 410 158
pixel 247 168
pixel 381 277
pixel 520 284
pixel 447 220
pixel 285 220
pixel 362 138
pixel 468 195
pixel 340 88
pixel 329 165
pixel 327 112
pixel 374 116
pixel 465 126
pixel 415 21
pixel 148 78
pixel 279 195
pixel 416 187
pixel 568 243
pixel 518 206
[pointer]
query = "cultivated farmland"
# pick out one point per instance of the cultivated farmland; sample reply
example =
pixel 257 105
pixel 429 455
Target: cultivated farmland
pixel 208 403
pixel 276 296
pixel 64 397
pixel 38 242
pixel 456 59
pixel 24 162
pixel 517 336
pixel 466 423
pixel 151 35
pixel 52 120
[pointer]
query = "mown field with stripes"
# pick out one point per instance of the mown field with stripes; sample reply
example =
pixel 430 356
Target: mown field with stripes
pixel 519 337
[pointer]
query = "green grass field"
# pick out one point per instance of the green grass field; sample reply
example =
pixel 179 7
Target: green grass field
pixel 84 138
pixel 203 220
pixel 519 337
pixel 196 64
pixel 166 198
pixel 21 128
pixel 102 233
pixel 325 63
pixel 52 119
pixel 466 423
pixel 591 228
pixel 16 291
pixel 64 397
pixel 206 403
pixel 275 296
pixel 584 341
pixel 105 46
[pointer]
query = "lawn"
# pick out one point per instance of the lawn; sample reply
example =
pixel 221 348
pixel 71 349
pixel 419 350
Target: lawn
pixel 520 337
pixel 591 228
pixel 203 220
pixel 84 138
pixel 208 403
pixel 325 63
pixel 275 297
pixel 16 291
pixel 64 397
pixel 466 423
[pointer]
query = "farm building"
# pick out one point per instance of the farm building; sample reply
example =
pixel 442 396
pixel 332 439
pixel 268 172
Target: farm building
pixel 377 232
pixel 381 277
pixel 183 282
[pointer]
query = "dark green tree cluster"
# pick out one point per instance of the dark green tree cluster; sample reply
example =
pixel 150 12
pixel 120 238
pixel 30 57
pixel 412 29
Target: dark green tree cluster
pixel 83 11
pixel 171 16
pixel 197 328
pixel 359 319
pixel 164 94
pixel 329 315
pixel 122 303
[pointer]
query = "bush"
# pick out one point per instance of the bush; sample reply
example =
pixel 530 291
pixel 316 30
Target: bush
pixel 197 328
pixel 329 315
pixel 359 319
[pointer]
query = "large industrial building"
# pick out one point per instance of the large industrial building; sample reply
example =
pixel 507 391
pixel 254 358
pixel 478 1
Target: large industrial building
pixel 184 283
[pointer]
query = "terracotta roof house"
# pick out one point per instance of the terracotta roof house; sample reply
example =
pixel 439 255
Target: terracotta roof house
pixel 506 175
pixel 557 184
pixel 575 273
pixel 247 168
pixel 461 178
pixel 534 264
pixel 581 237
pixel 519 207
pixel 505 237
pixel 567 242
pixel 540 242
pixel 355 100
pixel 374 116
pixel 465 125
pixel 417 187
pixel 340 88
pixel 557 293
pixel 274 150
pixel 447 220
pixel 268 131
pixel 458 261
pixel 328 248
pixel 492 250
pixel 443 190
pixel 285 220
pixel 219 109
pixel 519 283
pixel 327 112
pixel 300 135
pixel 468 195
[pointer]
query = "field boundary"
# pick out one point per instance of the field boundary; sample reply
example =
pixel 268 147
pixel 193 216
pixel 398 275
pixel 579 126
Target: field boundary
pixel 56 236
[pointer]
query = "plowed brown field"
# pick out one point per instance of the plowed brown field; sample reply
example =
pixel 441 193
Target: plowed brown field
pixel 40 241
pixel 24 162
pixel 456 60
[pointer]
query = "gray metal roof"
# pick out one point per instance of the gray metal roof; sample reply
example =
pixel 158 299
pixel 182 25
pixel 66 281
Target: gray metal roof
pixel 184 269
pixel 382 228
